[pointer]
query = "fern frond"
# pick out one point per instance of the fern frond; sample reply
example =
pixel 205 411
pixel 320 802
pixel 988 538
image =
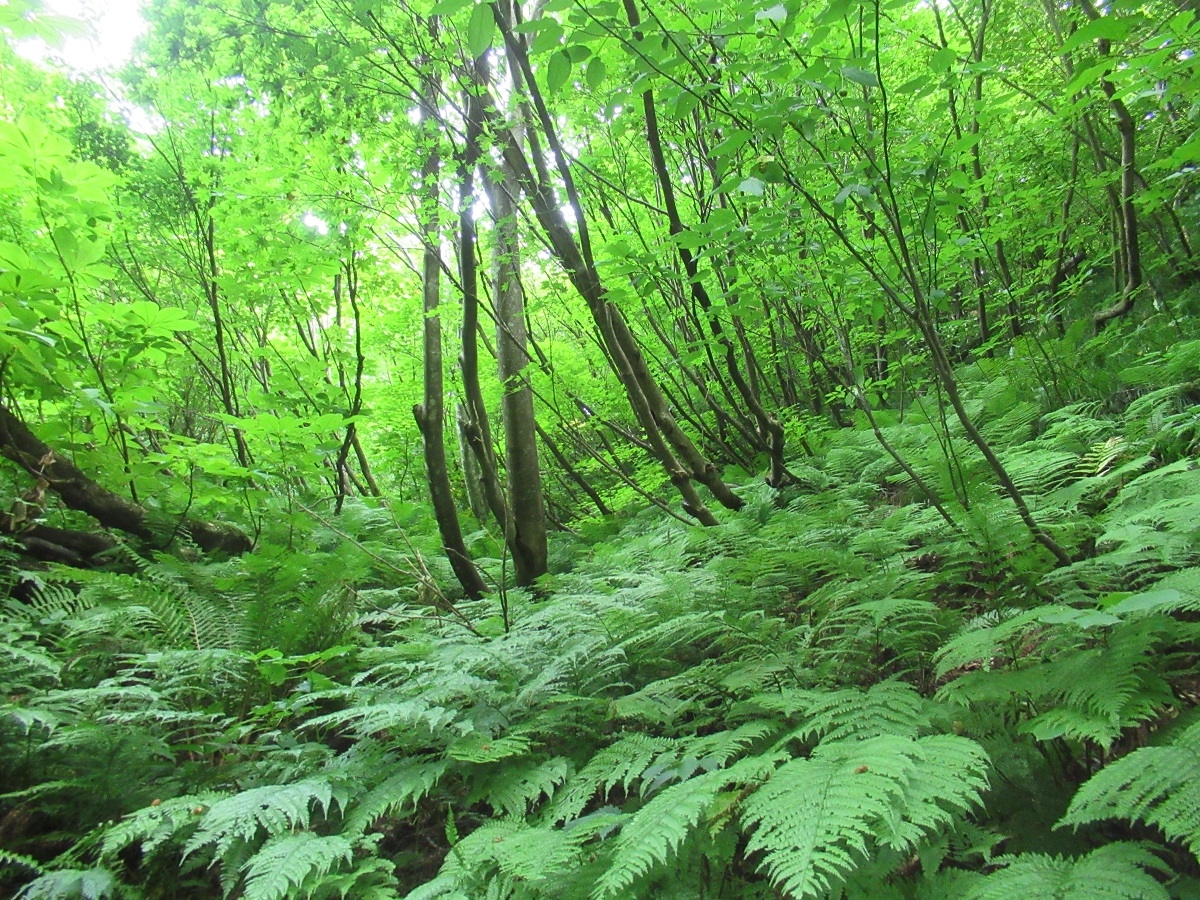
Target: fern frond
pixel 367 718
pixel 408 783
pixel 951 775
pixel 988 637
pixel 816 818
pixel 1119 871
pixel 1156 785
pixel 1038 470
pixel 620 763
pixel 287 861
pixel 85 884
pixel 153 827
pixel 518 786
pixel 887 708
pixel 519 851
pixel 8 858
pixel 1106 689
pixel 275 809
pixel 480 748
pixel 656 831
pixel 849 639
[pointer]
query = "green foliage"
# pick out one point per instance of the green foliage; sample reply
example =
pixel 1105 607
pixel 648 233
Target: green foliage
pixel 950 653
pixel 1154 785
pixel 1117 871
pixel 818 818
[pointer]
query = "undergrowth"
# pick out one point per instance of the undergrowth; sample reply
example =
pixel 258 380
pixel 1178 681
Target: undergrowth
pixel 836 693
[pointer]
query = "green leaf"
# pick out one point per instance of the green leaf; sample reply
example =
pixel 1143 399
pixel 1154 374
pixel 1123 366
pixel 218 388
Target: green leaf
pixel 943 59
pixel 558 71
pixel 480 29
pixel 1109 28
pixel 595 73
pixel 752 186
pixel 548 35
pixel 448 7
pixel 865 77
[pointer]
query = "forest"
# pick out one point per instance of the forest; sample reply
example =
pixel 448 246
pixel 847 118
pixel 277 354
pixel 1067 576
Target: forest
pixel 599 449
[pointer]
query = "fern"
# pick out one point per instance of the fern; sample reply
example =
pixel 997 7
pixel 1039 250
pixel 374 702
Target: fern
pixel 817 818
pixel 479 748
pixel 20 860
pixel 653 834
pixel 1118 871
pixel 289 861
pixel 887 708
pixel 406 783
pixel 618 764
pixel 1156 785
pixel 367 718
pixel 68 884
pixel 519 786
pixel 275 809
pixel 518 852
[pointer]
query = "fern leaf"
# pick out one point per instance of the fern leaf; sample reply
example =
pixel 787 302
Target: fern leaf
pixel 275 809
pixel 153 827
pixel 8 858
pixel 479 748
pixel 655 832
pixel 84 884
pixel 518 786
pixel 887 708
pixel 816 817
pixel 288 860
pixel 519 851
pixel 619 763
pixel 950 776
pixel 408 784
pixel 1119 871
pixel 1156 785
pixel 368 718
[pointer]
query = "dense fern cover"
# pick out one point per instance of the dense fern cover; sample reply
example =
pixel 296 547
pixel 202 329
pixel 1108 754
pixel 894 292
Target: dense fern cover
pixel 835 693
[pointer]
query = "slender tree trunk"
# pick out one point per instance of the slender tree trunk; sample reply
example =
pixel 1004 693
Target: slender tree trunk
pixel 770 429
pixel 430 416
pixel 662 431
pixel 572 472
pixel 1130 249
pixel 526 528
pixel 476 427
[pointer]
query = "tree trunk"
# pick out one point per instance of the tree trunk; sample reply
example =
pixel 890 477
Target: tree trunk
pixel 430 416
pixel 475 428
pixel 526 529
pixel 629 364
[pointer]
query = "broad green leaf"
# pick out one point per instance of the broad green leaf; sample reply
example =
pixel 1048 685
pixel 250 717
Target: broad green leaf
pixel 943 59
pixel 864 77
pixel 548 36
pixel 753 186
pixel 1110 28
pixel 558 71
pixel 480 29
pixel 595 73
